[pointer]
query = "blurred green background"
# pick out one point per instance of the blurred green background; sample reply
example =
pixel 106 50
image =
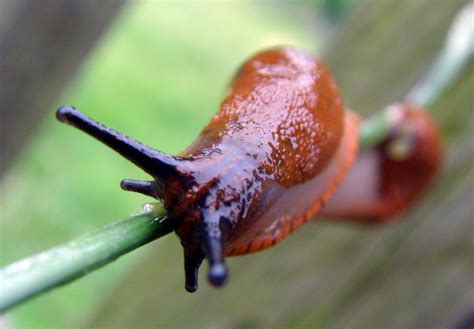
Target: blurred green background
pixel 158 75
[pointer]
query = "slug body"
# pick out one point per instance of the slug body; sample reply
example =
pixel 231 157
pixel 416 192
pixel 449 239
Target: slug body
pixel 266 163
pixel 389 178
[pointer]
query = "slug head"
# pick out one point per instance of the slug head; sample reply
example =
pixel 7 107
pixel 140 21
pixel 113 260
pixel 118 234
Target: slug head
pixel 175 185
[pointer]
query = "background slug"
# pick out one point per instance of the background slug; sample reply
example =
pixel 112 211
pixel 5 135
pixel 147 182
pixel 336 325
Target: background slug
pixel 266 163
pixel 388 178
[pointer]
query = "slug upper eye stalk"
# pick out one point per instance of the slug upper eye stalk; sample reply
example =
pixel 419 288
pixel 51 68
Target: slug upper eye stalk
pixel 267 162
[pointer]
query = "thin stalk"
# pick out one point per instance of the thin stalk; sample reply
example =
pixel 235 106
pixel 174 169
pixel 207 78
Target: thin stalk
pixel 31 276
pixel 457 49
pixel 448 64
pixel 374 129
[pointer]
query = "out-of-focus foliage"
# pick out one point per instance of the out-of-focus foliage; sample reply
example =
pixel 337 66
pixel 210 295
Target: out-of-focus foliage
pixel 158 76
pixel 334 9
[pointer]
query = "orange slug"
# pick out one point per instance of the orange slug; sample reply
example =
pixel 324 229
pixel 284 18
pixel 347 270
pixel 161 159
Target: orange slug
pixel 389 178
pixel 266 163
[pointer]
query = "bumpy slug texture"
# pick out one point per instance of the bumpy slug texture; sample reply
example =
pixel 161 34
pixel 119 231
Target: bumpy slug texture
pixel 388 179
pixel 266 163
pixel 285 108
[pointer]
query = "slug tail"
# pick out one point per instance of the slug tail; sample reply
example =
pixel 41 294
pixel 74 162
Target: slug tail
pixel 154 162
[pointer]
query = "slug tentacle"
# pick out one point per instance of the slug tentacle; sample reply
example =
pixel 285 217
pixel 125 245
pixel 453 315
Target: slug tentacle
pixel 152 161
pixel 139 186
pixel 211 243
pixel 193 257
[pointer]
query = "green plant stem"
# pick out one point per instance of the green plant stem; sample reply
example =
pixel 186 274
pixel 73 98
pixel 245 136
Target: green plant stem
pixel 31 276
pixel 36 274
pixel 458 48
pixel 374 129
pixel 448 64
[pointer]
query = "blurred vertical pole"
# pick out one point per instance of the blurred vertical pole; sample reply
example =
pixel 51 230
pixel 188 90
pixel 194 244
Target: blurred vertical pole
pixel 32 74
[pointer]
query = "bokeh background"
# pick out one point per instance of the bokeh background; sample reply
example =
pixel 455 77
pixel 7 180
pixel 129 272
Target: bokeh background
pixel 157 73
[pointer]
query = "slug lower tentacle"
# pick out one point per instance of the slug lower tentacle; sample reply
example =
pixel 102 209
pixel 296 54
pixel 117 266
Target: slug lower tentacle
pixel 266 163
pixel 389 178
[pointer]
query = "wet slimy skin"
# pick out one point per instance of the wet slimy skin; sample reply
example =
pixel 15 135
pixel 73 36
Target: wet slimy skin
pixel 266 163
pixel 389 178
